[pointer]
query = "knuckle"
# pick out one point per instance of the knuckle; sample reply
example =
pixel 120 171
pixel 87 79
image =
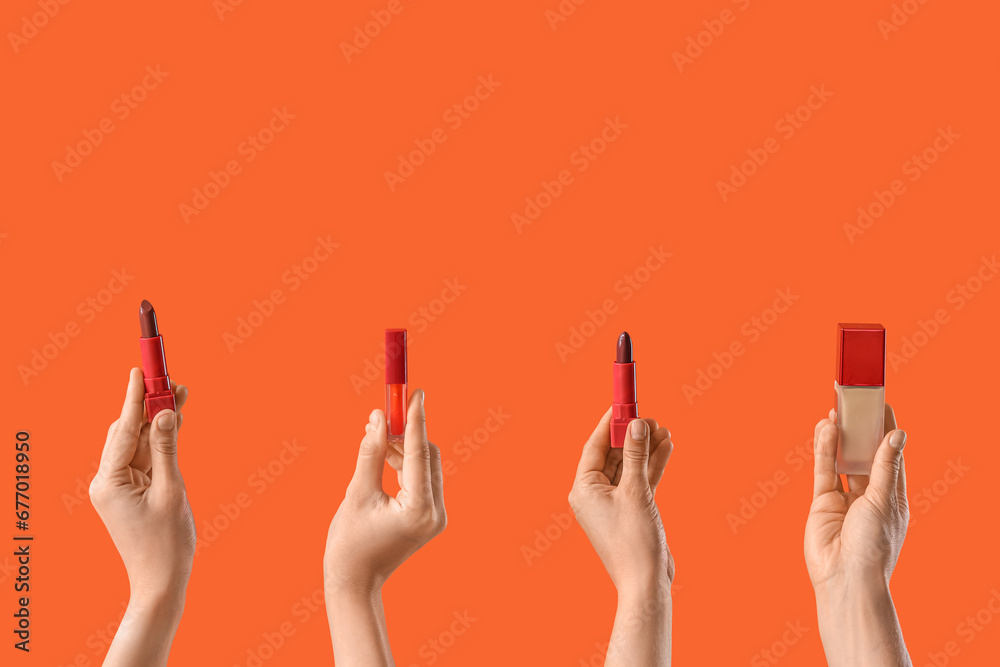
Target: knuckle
pixel 167 447
pixel 574 498
pixel 635 454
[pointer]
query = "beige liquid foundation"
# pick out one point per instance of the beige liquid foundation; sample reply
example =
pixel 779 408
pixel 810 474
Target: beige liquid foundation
pixel 860 387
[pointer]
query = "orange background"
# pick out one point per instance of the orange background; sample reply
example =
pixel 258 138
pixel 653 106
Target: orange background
pixel 495 345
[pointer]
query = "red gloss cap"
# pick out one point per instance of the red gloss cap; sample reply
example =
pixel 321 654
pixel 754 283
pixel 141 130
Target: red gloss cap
pixel 395 356
pixel 861 355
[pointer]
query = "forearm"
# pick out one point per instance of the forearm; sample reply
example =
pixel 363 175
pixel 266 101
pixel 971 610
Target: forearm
pixel 641 635
pixel 858 624
pixel 357 628
pixel 146 633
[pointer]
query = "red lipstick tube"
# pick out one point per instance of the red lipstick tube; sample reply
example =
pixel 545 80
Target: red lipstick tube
pixel 159 395
pixel 395 383
pixel 623 407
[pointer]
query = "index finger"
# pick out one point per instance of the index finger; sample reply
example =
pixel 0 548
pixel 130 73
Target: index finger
pixel 417 451
pixel 825 477
pixel 122 440
pixel 595 452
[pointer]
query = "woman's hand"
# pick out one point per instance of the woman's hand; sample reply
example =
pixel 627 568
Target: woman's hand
pixel 373 533
pixel 853 539
pixel 858 532
pixel 139 494
pixel 613 499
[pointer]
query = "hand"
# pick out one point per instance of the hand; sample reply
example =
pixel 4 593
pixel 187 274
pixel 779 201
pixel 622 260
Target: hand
pixel 612 498
pixel 853 539
pixel 139 494
pixel 373 533
pixel 858 532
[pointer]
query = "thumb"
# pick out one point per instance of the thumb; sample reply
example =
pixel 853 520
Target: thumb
pixel 163 445
pixel 885 468
pixel 635 454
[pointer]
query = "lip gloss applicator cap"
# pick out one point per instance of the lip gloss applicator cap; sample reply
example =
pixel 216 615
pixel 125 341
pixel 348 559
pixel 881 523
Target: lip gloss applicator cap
pixel 395 356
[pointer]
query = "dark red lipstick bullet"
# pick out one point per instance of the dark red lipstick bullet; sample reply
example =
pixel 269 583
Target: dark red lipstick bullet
pixel 159 395
pixel 623 404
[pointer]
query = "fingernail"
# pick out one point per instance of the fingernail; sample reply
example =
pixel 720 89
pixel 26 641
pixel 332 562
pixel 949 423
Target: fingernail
pixel 898 440
pixel 165 421
pixel 638 429
pixel 423 395
pixel 373 418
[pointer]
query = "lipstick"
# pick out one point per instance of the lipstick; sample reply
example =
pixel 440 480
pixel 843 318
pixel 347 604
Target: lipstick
pixel 159 396
pixel 623 405
pixel 860 387
pixel 395 383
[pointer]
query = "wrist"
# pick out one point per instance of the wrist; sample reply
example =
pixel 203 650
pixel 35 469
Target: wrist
pixel 638 589
pixel 164 608
pixel 857 621
pixel 854 588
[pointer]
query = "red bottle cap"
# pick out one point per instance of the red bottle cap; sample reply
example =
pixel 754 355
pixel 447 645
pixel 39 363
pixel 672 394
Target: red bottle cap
pixel 861 355
pixel 395 356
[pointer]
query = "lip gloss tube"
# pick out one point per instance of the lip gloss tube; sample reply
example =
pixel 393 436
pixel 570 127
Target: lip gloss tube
pixel 395 383
pixel 860 387
pixel 159 395
pixel 623 404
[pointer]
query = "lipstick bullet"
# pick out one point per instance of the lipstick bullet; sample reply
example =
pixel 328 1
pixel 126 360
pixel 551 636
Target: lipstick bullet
pixel 395 383
pixel 623 406
pixel 159 395
pixel 860 387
